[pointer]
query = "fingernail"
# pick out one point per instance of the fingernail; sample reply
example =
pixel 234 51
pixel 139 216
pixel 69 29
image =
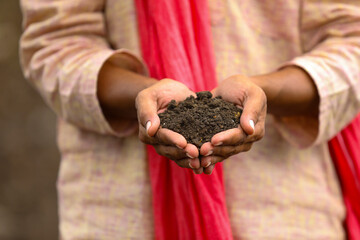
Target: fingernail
pixel 252 125
pixel 148 125
pixel 208 164
pixel 191 166
pixel 219 143
pixel 209 153
pixel 179 147
pixel 187 154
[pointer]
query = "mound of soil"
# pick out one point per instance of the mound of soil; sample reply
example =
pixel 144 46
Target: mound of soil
pixel 200 118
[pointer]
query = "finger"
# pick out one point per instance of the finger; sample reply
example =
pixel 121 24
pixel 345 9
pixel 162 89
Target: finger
pixel 194 163
pixel 198 171
pixel 145 138
pixel 257 135
pixel 168 137
pixel 191 150
pixel 209 170
pixel 188 163
pixel 206 149
pixel 227 151
pixel 253 107
pixel 211 160
pixel 146 106
pixel 234 136
pixel 170 152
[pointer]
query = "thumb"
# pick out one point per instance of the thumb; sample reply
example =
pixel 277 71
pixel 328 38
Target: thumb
pixel 250 115
pixel 147 113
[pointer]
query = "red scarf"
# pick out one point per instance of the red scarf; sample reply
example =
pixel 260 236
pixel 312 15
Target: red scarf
pixel 176 43
pixel 345 152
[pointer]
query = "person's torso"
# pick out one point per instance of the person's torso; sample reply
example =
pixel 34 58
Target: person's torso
pixel 275 191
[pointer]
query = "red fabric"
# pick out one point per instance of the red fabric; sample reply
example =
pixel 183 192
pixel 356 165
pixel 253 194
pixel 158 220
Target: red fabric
pixel 176 43
pixel 345 152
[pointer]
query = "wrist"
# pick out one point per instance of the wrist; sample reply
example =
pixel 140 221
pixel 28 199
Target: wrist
pixel 265 82
pixel 289 91
pixel 117 90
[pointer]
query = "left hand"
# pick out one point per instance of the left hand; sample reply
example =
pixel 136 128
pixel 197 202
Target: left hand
pixel 155 99
pixel 241 91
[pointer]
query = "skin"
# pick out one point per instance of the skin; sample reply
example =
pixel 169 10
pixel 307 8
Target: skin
pixel 126 96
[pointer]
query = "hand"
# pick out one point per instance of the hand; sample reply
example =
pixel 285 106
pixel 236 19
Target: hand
pixel 149 102
pixel 244 93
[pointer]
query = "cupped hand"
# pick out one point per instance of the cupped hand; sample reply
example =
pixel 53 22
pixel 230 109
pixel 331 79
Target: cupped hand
pixel 241 91
pixel 153 100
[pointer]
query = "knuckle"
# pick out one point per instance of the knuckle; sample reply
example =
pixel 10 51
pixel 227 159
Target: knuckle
pixel 228 151
pixel 247 148
pixel 167 153
pixel 173 154
pixel 212 160
pixel 241 140
pixel 183 163
pixel 163 136
pixel 161 150
pixel 215 160
pixel 233 150
pixel 158 136
pixel 222 151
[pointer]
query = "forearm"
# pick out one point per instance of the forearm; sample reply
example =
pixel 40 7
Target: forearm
pixel 118 86
pixel 289 91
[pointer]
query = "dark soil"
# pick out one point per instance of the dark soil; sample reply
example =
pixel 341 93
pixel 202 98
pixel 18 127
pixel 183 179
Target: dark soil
pixel 200 118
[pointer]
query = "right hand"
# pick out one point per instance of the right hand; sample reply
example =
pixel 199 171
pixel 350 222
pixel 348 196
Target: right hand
pixel 153 100
pixel 243 92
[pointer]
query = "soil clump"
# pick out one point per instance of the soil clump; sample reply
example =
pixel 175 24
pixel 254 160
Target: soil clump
pixel 199 119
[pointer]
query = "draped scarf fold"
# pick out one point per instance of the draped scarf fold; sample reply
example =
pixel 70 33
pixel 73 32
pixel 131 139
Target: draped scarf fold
pixel 345 152
pixel 176 43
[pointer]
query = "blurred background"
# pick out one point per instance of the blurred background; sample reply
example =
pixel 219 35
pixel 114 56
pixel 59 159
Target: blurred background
pixel 29 157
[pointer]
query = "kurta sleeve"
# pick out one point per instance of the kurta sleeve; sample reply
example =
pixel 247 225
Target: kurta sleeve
pixel 62 50
pixel 330 34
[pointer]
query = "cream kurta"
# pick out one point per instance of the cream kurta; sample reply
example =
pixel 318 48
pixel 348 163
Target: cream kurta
pixel 275 191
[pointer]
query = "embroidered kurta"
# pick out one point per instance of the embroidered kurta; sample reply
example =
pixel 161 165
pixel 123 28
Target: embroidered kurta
pixel 284 188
